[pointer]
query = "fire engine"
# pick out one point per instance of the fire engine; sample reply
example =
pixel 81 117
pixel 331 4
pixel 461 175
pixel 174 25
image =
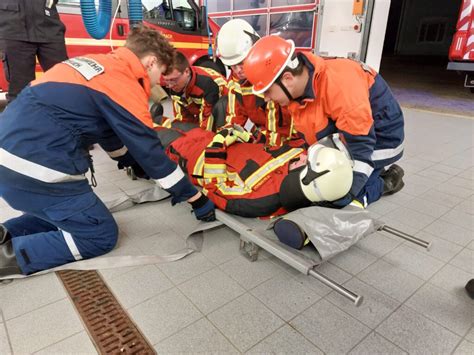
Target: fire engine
pixel 461 52
pixel 342 28
pixel 183 22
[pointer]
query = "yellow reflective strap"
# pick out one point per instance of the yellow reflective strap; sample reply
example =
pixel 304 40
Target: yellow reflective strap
pixel 246 90
pixel 242 136
pixel 201 113
pixel 357 203
pixel 271 116
pixel 197 171
pixel 219 81
pixel 258 175
pixel 209 71
pixel 231 84
pixel 231 107
pixel 218 138
pixel 272 165
pixel 210 123
pixel 177 109
pixel 167 123
pixel 214 171
pixel 273 138
pixel 238 90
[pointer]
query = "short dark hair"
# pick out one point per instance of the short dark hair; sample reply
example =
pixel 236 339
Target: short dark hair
pixel 180 62
pixel 143 41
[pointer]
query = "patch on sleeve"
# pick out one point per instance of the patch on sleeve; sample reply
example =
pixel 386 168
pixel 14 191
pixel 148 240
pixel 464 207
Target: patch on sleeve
pixel 88 68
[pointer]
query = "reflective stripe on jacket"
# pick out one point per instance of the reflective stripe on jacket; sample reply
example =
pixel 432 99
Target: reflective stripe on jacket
pixel 95 99
pixel 351 98
pixel 273 120
pixel 253 175
pixel 199 97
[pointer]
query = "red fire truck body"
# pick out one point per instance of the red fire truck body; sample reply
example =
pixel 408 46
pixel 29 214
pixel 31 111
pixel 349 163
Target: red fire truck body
pixel 461 52
pixel 182 26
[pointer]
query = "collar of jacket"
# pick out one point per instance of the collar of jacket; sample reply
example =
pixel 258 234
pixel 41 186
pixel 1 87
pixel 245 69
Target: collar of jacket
pixel 189 86
pixel 191 82
pixel 135 65
pixel 316 66
pixel 242 83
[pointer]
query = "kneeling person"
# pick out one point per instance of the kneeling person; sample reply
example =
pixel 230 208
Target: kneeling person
pixel 44 138
pixel 329 95
pixel 194 91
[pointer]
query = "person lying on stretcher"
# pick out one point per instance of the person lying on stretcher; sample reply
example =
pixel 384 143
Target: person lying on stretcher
pixel 245 179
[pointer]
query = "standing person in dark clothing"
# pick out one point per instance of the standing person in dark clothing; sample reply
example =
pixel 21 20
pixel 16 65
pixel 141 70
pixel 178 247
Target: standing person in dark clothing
pixel 29 29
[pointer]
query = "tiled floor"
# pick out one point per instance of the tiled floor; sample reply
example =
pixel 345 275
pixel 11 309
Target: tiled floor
pixel 217 301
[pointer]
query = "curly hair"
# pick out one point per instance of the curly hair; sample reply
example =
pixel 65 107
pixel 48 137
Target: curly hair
pixel 143 40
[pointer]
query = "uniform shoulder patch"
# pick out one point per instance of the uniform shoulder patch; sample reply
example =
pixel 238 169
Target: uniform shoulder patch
pixel 87 67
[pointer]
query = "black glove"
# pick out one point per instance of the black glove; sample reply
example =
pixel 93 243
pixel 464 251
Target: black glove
pixel 204 209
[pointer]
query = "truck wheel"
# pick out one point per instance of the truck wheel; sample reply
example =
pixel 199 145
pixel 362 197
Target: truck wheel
pixel 209 63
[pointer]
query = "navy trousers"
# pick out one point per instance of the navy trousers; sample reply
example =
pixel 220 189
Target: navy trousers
pixel 19 62
pixel 55 230
pixel 370 192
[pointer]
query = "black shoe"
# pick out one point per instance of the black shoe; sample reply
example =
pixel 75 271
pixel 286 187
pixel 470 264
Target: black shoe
pixel 8 263
pixel 392 180
pixel 289 233
pixel 4 235
pixel 470 288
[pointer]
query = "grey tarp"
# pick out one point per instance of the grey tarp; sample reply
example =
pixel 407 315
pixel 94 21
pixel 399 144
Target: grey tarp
pixel 151 194
pixel 332 231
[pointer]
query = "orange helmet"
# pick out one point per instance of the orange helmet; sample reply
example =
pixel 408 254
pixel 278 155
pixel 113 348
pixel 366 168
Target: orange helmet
pixel 266 61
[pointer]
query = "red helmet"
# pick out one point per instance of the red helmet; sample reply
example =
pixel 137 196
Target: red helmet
pixel 266 61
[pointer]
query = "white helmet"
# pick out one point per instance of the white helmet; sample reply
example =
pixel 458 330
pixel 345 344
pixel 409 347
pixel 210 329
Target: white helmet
pixel 234 41
pixel 327 175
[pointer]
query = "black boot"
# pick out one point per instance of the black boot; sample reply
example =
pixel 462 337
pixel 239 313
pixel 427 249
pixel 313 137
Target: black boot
pixel 289 233
pixel 4 235
pixel 8 263
pixel 470 288
pixel 392 180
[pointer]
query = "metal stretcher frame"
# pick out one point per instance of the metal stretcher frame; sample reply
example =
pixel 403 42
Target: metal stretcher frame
pixel 249 238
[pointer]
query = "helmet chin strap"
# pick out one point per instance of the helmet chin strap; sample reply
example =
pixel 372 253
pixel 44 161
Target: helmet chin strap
pixel 285 90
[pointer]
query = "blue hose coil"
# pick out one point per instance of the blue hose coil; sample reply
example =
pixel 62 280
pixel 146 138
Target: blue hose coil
pixel 135 13
pixel 98 24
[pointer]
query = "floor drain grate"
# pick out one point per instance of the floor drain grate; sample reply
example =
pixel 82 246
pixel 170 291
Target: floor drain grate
pixel 110 327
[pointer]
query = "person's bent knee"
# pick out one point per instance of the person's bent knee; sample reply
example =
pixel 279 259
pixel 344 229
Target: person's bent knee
pixel 110 237
pixel 104 240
